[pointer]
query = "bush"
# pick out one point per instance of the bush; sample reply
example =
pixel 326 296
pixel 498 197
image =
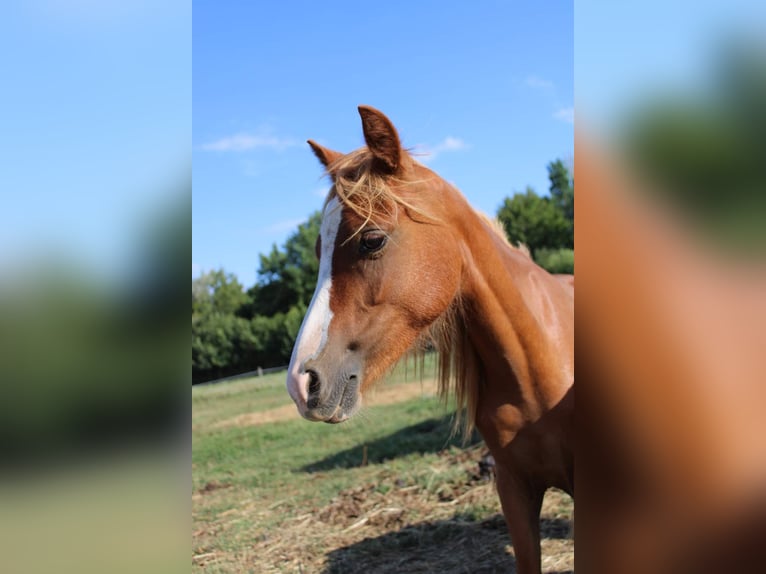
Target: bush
pixel 222 345
pixel 556 260
pixel 535 221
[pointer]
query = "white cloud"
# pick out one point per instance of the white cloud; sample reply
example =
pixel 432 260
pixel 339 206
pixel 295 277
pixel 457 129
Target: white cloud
pixel 565 115
pixel 449 143
pixel 244 142
pixel 282 226
pixel 538 82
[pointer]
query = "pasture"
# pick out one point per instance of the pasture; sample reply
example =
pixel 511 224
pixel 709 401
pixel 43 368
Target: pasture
pixel 388 491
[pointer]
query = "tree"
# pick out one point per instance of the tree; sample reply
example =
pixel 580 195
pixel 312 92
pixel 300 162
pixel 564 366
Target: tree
pixel 534 221
pixel 217 292
pixel 235 331
pixel 287 276
pixel 562 189
pixel 276 336
pixel 222 344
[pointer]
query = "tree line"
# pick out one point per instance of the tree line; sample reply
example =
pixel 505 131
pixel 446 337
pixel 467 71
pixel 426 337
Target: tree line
pixel 236 330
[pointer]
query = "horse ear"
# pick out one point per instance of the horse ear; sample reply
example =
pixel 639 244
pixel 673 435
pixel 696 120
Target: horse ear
pixel 381 138
pixel 326 156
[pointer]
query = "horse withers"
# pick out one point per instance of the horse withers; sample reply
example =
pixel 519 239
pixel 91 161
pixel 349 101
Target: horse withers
pixel 405 260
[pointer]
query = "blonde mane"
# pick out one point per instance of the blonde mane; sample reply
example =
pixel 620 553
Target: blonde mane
pixel 497 228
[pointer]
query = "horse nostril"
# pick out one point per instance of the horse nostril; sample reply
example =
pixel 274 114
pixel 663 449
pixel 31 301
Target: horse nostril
pixel 313 389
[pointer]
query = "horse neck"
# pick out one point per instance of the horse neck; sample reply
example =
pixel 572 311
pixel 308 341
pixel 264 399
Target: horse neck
pixel 518 319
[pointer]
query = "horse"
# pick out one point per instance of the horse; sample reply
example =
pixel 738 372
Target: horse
pixel 405 261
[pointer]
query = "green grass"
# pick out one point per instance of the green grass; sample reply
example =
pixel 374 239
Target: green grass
pixel 213 403
pixel 289 495
pixel 277 457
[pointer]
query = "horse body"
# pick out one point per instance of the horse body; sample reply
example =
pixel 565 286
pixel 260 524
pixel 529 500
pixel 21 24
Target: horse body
pixel 520 322
pixel 403 259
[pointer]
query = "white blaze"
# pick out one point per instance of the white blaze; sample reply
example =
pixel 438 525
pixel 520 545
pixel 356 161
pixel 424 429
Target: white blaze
pixel 312 336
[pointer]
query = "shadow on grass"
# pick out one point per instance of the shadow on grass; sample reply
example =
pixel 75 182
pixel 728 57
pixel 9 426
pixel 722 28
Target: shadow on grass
pixel 428 436
pixel 444 546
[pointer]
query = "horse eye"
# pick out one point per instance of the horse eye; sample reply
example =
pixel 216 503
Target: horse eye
pixel 372 241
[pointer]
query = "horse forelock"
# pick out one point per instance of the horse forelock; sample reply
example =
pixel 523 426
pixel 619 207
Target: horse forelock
pixel 375 196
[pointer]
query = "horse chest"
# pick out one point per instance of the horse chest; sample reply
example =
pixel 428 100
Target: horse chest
pixel 542 451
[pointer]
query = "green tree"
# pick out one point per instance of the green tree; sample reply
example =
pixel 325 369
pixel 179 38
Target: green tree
pixel 235 331
pixel 217 292
pixel 276 336
pixel 562 191
pixel 534 221
pixel 222 344
pixel 287 276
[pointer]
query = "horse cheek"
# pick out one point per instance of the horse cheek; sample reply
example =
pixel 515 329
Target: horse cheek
pixel 432 293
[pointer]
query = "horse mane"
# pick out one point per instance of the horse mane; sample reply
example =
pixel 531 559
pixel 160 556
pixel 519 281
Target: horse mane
pixel 359 186
pixel 497 228
pixel 458 371
pixel 459 368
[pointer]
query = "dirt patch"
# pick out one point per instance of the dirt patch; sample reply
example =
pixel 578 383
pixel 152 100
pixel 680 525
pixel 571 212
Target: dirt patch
pixel 213 485
pixel 413 525
pixel 258 418
pixel 379 396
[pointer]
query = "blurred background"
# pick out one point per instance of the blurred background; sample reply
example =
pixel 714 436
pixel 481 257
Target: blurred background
pixel 670 213
pixel 679 93
pixel 95 203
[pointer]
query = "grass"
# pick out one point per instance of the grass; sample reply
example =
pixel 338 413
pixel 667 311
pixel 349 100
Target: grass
pixel 383 492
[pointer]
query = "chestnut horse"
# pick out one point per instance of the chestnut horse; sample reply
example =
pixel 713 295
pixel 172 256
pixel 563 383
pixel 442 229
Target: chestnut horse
pixel 403 260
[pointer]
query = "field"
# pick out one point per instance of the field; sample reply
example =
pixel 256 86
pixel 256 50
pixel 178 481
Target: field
pixel 388 491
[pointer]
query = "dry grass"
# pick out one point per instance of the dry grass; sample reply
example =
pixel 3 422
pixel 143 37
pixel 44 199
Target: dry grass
pixel 372 503
pixel 382 396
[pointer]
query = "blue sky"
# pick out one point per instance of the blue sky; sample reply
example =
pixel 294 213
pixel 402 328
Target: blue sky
pixel 485 88
pixel 95 127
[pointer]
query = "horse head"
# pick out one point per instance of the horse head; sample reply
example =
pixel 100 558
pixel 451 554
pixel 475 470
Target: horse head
pixel 388 269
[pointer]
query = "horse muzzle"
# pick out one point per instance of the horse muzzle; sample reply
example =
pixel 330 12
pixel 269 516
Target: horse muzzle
pixel 322 397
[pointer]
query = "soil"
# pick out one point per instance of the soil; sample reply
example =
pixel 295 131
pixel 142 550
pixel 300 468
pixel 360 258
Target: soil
pixel 393 526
